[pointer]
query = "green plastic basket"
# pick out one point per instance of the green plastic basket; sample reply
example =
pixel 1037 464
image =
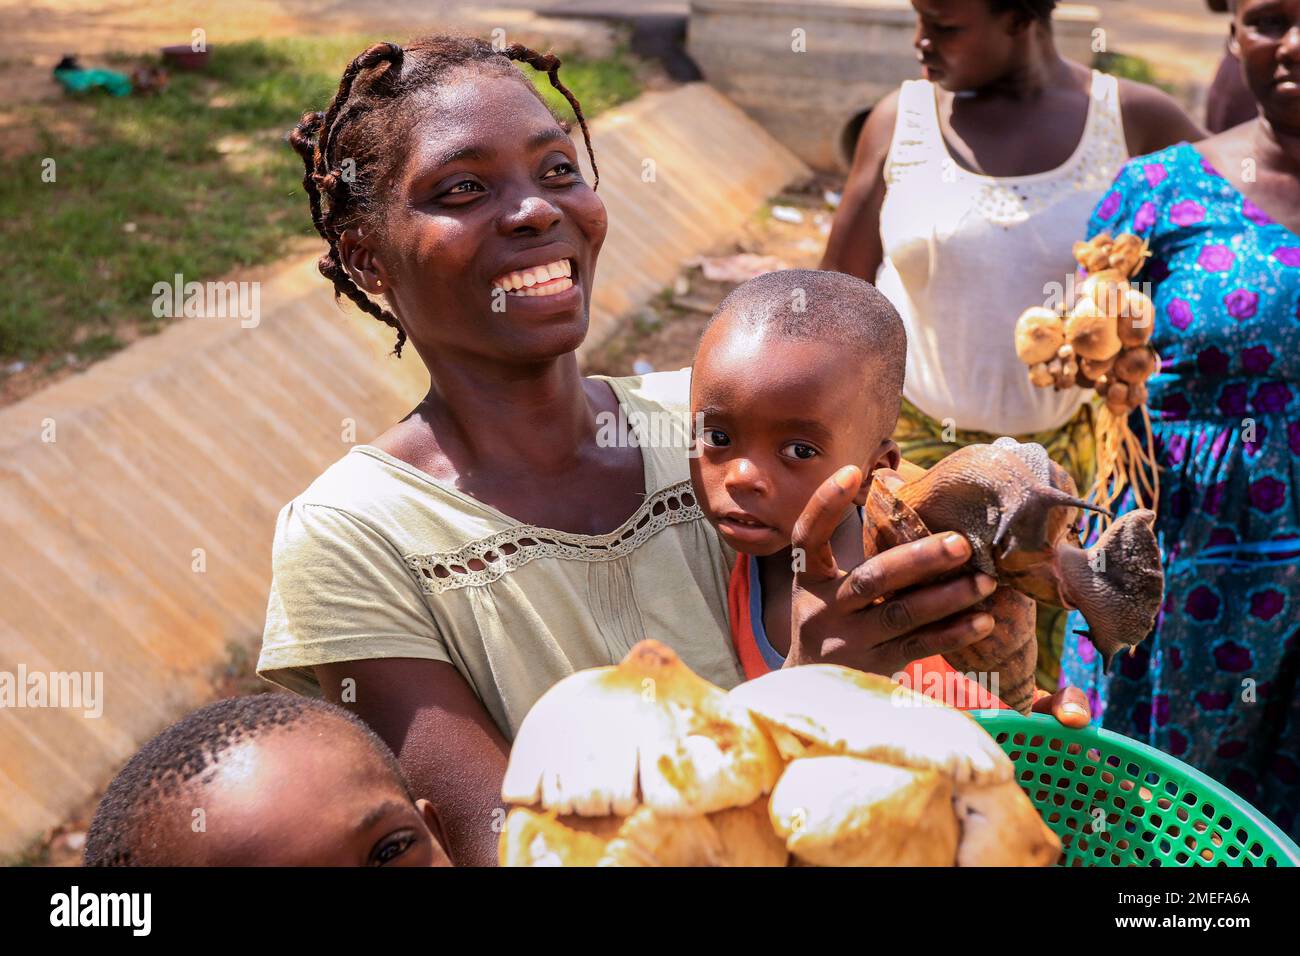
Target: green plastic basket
pixel 1116 802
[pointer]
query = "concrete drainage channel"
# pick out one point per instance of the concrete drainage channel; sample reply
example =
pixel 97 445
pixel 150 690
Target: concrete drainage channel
pixel 138 500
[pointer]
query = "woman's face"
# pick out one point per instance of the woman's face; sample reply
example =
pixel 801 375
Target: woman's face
pixel 1266 38
pixel 962 44
pixel 491 235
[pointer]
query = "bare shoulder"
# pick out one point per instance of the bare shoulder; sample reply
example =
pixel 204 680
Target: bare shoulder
pixel 882 118
pixel 876 135
pixel 412 440
pixel 1230 150
pixel 1153 119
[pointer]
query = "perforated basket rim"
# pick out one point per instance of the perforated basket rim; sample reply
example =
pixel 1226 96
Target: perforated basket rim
pixel 1107 741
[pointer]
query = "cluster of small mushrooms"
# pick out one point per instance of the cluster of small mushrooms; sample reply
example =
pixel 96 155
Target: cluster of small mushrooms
pixel 648 764
pixel 1099 342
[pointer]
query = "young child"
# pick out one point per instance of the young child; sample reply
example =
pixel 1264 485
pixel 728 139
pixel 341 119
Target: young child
pixel 798 374
pixel 268 780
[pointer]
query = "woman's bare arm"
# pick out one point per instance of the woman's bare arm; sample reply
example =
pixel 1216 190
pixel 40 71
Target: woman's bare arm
pixel 854 243
pixel 452 752
pixel 1153 119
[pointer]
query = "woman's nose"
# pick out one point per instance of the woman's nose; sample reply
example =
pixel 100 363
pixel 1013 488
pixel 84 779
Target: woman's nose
pixel 743 475
pixel 533 215
pixel 921 41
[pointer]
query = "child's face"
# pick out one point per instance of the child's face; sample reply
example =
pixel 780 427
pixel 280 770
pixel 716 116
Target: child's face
pixel 315 794
pixel 775 418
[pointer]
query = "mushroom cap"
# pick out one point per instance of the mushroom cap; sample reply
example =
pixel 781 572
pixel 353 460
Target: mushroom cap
pixel 740 836
pixel 845 811
pixel 1000 827
pixel 539 839
pixel 1093 334
pixel 647 731
pixel 1039 334
pixel 843 711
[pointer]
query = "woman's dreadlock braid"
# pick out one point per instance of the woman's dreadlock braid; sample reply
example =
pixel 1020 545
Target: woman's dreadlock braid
pixel 319 179
pixel 549 64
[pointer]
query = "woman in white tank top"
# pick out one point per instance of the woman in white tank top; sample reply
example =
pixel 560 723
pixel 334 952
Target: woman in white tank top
pixel 967 193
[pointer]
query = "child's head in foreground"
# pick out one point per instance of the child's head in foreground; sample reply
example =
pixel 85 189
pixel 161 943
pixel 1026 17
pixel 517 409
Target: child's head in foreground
pixel 798 374
pixel 268 780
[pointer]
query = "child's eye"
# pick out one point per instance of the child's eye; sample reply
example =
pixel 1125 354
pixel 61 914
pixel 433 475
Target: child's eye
pixel 390 848
pixel 715 437
pixel 800 451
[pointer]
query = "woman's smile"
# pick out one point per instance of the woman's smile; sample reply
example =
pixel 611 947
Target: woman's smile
pixel 547 279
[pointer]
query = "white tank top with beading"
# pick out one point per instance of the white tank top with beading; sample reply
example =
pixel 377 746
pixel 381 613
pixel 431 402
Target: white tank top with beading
pixel 964 254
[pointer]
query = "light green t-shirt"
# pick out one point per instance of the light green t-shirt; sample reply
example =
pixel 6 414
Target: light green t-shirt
pixel 377 559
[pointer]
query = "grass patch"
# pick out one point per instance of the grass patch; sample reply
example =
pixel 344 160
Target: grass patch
pixel 1130 68
pixel 195 180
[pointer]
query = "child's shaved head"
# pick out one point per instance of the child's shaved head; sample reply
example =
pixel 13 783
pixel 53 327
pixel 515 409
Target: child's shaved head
pixel 831 307
pixel 799 374
pixel 273 779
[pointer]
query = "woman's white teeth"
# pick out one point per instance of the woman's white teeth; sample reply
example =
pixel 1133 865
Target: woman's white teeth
pixel 551 288
pixel 546 279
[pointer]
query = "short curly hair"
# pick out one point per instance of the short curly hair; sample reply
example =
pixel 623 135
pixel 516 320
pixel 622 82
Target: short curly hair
pixel 169 765
pixel 832 307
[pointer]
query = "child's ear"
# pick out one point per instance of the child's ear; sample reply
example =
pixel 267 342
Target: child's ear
pixel 887 456
pixel 434 823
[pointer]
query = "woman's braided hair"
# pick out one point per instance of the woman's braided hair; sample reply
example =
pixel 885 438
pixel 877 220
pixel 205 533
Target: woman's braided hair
pixel 347 150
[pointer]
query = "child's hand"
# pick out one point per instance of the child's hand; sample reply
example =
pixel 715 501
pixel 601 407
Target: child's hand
pixel 1069 705
pixel 834 617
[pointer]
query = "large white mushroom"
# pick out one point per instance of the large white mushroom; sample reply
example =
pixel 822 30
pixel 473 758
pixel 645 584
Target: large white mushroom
pixel 647 764
pixel 837 710
pixel 910 773
pixel 662 757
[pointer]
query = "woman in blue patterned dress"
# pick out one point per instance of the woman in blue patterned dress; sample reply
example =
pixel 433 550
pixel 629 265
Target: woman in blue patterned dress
pixel 1216 683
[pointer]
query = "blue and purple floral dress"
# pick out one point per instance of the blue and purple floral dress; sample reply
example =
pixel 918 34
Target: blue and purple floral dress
pixel 1216 683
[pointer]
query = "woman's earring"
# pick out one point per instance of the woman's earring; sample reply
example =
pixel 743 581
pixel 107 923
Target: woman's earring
pixel 379 283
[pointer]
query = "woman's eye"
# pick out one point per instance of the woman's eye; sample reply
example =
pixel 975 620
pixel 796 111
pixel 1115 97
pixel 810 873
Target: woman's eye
pixel 465 188
pixel 391 848
pixel 561 169
pixel 1271 26
pixel 799 451
pixel 715 437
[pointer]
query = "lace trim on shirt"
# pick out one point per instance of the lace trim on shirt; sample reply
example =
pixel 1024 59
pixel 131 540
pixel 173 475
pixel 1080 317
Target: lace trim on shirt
pixel 484 561
pixel 918 144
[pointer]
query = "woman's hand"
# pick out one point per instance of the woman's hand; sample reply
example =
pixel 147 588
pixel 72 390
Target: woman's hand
pixel 834 615
pixel 1069 705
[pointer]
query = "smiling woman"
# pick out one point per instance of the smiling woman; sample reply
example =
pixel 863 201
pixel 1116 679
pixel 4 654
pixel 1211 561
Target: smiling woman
pixel 439 579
